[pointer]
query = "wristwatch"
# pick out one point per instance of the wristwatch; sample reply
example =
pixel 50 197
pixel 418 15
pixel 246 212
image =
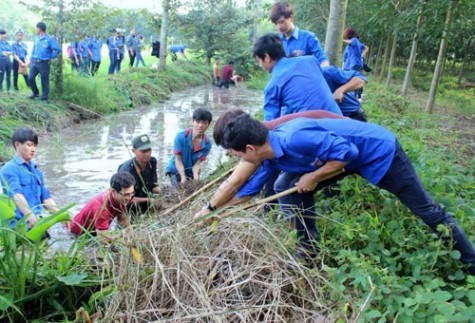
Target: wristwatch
pixel 211 208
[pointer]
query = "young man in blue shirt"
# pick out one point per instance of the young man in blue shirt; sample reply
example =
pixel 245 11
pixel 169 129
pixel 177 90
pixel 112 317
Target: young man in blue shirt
pixel 95 46
pixel 178 49
pixel 296 84
pixel 44 50
pixel 312 154
pixel 190 149
pixel 343 85
pixel 20 51
pixel 5 63
pixel 113 51
pixel 23 181
pixel 296 42
pixel 86 53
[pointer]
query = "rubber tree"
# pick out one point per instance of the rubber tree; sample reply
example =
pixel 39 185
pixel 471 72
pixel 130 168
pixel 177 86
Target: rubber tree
pixel 163 34
pixel 412 55
pixel 429 107
pixel 335 28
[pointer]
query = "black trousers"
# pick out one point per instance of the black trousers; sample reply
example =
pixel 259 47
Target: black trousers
pixel 15 74
pixel 42 68
pixel 131 59
pixel 5 73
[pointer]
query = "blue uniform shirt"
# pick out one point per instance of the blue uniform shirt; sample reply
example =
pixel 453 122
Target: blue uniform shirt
pixel 95 46
pixel 20 49
pixel 45 48
pixel 84 48
pixel 111 43
pixel 337 77
pixel 305 41
pixel 18 177
pixel 303 145
pixel 297 84
pixel 4 47
pixel 183 146
pixel 178 48
pixel 352 59
pixel 119 43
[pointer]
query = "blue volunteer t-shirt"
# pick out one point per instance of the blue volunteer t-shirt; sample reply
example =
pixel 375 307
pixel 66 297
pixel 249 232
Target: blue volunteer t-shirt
pixel 183 146
pixel 19 177
pixel 95 46
pixel 20 49
pixel 303 145
pixel 45 48
pixel 4 47
pixel 305 41
pixel 337 77
pixel 295 85
pixel 352 59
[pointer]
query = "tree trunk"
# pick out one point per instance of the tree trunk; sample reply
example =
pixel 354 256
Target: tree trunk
pixel 256 16
pixel 385 56
pixel 378 59
pixel 335 28
pixel 412 56
pixel 465 60
pixel 58 62
pixel 440 61
pixel 391 60
pixel 163 34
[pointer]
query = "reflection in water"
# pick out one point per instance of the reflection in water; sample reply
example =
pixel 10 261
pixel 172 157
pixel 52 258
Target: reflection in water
pixel 79 161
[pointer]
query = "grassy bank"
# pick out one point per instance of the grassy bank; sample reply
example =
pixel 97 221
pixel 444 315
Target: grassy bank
pixel 86 97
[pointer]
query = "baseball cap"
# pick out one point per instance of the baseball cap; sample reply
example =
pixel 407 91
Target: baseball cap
pixel 141 142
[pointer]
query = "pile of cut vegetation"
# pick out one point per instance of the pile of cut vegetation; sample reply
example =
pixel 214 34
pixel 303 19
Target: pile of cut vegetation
pixel 239 270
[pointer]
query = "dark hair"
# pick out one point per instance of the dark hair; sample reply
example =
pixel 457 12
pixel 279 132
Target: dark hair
pixel 280 9
pixel 268 44
pixel 42 26
pixel 222 122
pixel 231 63
pixel 2 31
pixel 122 180
pixel 350 33
pixel 24 134
pixel 243 131
pixel 202 115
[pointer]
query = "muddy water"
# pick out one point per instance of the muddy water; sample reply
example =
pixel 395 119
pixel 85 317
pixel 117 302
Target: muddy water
pixel 79 161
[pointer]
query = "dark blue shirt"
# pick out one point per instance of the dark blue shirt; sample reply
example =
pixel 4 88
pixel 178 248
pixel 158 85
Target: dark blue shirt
pixel 183 146
pixel 20 49
pixel 305 41
pixel 303 145
pixel 297 84
pixel 337 77
pixel 352 59
pixel 111 43
pixel 84 48
pixel 119 43
pixel 95 46
pixel 19 177
pixel 45 48
pixel 178 48
pixel 4 47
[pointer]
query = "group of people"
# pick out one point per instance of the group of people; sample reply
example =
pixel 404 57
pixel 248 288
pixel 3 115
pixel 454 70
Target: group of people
pixel 133 189
pixel 86 57
pixel 45 48
pixel 314 133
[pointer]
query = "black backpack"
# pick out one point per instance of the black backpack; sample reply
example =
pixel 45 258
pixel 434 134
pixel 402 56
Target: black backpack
pixel 156 49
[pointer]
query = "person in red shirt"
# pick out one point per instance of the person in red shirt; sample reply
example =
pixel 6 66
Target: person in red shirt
pixel 97 215
pixel 226 75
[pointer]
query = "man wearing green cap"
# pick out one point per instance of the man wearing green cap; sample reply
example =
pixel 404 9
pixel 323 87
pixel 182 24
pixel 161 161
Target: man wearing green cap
pixel 144 169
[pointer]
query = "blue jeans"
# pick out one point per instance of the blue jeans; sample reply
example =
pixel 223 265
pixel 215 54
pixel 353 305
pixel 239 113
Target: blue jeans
pixel 42 68
pixel 113 61
pixel 5 72
pixel 401 180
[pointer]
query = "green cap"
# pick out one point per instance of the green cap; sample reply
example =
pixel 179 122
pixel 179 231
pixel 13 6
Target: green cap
pixel 141 142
